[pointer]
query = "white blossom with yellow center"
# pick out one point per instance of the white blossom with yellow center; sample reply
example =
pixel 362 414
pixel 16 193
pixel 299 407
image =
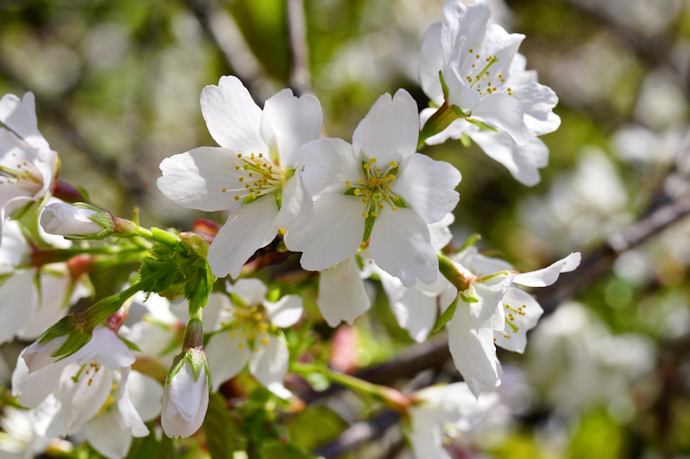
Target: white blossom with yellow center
pixel 252 173
pixel 486 78
pixel 377 191
pixel 28 166
pixel 250 334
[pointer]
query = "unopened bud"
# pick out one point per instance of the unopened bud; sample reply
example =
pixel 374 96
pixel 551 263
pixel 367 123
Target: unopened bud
pixel 77 221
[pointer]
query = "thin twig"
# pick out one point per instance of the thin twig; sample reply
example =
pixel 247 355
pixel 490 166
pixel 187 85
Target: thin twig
pixel 300 79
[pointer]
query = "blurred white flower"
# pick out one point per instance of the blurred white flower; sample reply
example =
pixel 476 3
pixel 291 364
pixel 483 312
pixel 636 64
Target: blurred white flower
pixel 250 335
pixel 67 220
pixel 575 362
pixel 440 414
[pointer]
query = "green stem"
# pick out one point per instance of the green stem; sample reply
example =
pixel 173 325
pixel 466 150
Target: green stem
pixel 108 306
pixel 387 395
pixel 437 123
pixel 456 274
pixel 157 235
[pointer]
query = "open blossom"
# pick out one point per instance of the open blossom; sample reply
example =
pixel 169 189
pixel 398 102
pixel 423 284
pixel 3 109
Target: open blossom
pixel 487 79
pixel 28 166
pixel 377 191
pixel 250 334
pixel 440 413
pixel 254 173
pixel 29 307
pixel 78 388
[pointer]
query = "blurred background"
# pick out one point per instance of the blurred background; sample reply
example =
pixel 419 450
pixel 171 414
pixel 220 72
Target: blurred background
pixel 606 373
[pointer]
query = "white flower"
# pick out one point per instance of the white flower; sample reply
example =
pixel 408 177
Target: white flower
pixel 29 307
pixel 78 387
pixel 185 401
pixel 377 190
pixel 444 412
pixel 67 220
pixel 254 172
pixel 501 93
pixel 28 166
pixel 252 336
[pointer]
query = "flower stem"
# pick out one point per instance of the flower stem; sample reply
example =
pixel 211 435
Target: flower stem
pixel 456 274
pixel 387 395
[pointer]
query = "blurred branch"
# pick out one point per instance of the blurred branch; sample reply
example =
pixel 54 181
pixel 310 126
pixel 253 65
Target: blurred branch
pixel 300 79
pixel 359 434
pixel 655 51
pixel 222 30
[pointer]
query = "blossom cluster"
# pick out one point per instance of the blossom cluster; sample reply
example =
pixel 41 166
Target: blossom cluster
pixel 372 208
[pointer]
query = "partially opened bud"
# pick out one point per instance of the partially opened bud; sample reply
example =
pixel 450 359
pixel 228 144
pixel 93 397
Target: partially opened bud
pixel 78 221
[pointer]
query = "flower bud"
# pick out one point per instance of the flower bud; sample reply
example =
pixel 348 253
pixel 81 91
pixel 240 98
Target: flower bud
pixel 185 397
pixel 78 221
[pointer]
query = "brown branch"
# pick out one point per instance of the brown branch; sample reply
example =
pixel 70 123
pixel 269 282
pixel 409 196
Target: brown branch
pixel 221 29
pixel 300 79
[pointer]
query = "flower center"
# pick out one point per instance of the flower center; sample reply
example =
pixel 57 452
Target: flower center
pixel 479 77
pixel 259 176
pixel 251 325
pixel 374 188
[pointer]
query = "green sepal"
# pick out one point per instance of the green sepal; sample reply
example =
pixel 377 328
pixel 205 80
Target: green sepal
pixel 82 191
pixel 129 344
pixel 393 171
pixel 197 360
pixel 273 295
pixel 491 276
pixel 288 174
pixel 470 241
pixel 77 331
pixel 481 125
pixel 249 199
pixel 465 140
pixel 447 315
pixel 469 295
pixel 351 192
pixel 444 86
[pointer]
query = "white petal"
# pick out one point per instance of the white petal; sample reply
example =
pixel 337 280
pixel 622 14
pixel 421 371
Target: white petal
pixel 174 423
pixel 81 400
pixel 196 179
pixel 269 364
pixel 400 244
pixel 227 355
pixel 129 414
pixel 390 130
pixel 296 207
pixel 52 306
pixel 523 162
pixel 504 113
pixel 525 319
pixel 106 347
pixel 249 228
pixel 328 164
pixel 440 232
pixel 232 117
pixel 186 393
pixel 145 394
pixel 460 94
pixel 503 46
pixel 487 311
pixel 538 102
pixel 472 348
pixel 33 388
pixel 342 294
pixel 416 313
pixel 20 116
pixel 215 312
pixel 285 312
pixel 294 121
pixel 431 63
pixel 334 233
pixel 427 186
pixel 108 434
pixel 18 303
pixel 464 26
pixel 251 291
pixel 549 275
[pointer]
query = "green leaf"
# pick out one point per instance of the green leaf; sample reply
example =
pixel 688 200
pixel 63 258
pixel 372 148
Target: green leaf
pixel 447 315
pixel 469 295
pixel 221 434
